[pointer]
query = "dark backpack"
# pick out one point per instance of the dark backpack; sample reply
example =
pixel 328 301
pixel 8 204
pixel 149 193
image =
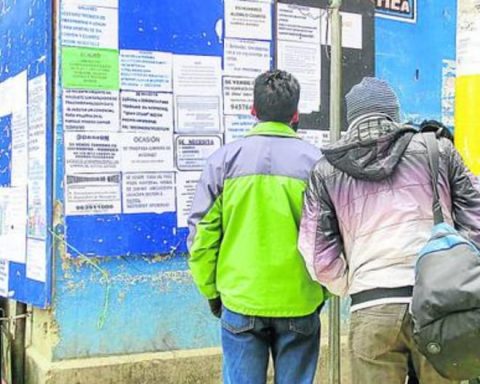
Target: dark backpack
pixel 446 295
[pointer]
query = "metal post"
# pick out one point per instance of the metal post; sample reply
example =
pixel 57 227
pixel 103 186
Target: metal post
pixel 335 129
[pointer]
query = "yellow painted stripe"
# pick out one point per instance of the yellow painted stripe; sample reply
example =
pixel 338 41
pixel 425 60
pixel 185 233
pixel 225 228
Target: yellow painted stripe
pixel 467 120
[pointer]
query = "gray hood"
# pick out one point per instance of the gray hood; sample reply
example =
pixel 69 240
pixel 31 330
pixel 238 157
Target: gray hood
pixel 371 149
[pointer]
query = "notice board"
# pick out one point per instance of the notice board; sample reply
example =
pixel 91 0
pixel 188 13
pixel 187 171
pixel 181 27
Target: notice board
pixel 25 150
pixel 149 89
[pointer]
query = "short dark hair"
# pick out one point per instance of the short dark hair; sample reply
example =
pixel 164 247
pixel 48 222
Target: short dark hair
pixel 275 96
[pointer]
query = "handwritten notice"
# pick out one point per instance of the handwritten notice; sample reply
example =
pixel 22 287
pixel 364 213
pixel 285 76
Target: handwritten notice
pixel 298 23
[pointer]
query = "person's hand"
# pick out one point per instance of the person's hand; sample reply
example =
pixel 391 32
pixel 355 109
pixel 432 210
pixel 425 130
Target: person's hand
pixel 216 307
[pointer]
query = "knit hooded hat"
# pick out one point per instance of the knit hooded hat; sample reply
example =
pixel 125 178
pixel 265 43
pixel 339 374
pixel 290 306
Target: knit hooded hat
pixel 372 95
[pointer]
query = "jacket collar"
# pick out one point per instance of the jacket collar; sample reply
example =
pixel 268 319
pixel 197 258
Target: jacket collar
pixel 272 128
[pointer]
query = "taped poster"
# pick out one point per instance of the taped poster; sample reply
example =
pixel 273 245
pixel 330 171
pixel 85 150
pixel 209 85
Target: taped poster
pixel 318 138
pixel 90 68
pixel 37 260
pixel 304 62
pixel 352 30
pixel 248 20
pixel 4 279
pixel 86 25
pixel 149 192
pixel 448 92
pixel 92 194
pixel 37 157
pixel 237 126
pixel 468 46
pixel 92 152
pixel 237 95
pixel 19 128
pixel 13 223
pixel 102 3
pixel 186 186
pixel 192 152
pixel 298 23
pixel 197 75
pixel 91 110
pixel 146 71
pixel 147 111
pixel 18 87
pixel 197 114
pixel 246 57
pixel 145 152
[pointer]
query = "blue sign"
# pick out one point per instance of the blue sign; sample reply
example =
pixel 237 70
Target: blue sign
pixel 402 10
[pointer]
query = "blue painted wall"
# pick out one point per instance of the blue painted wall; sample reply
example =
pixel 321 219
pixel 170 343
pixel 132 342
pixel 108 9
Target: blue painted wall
pixel 150 304
pixel 410 56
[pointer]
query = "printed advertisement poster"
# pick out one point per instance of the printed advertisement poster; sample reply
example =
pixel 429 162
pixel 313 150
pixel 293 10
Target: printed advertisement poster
pixel 147 111
pixel 238 95
pixel 237 126
pixel 145 152
pixel 146 192
pixel 304 62
pixel 186 186
pixel 246 57
pixel 37 157
pixel 89 26
pixel 198 114
pixel 192 152
pixel 90 110
pixel 91 194
pixel 315 137
pixel 298 23
pixel 90 68
pixel 197 75
pixel 37 260
pixel 248 20
pixel 4 277
pixel 92 152
pixel 352 30
pixel 13 223
pixel 146 71
pixel 17 87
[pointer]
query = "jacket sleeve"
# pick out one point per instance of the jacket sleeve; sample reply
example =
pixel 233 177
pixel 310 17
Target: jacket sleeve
pixel 205 228
pixel 320 241
pixel 465 189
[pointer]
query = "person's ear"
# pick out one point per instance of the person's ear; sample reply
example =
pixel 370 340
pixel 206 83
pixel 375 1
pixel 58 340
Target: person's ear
pixel 253 111
pixel 295 118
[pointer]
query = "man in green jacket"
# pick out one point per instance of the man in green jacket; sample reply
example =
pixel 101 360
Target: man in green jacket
pixel 243 243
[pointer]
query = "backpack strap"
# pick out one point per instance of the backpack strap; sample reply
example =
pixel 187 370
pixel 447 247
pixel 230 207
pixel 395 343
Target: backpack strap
pixel 433 161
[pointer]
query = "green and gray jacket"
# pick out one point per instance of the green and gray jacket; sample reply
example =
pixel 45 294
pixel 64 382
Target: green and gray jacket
pixel 244 225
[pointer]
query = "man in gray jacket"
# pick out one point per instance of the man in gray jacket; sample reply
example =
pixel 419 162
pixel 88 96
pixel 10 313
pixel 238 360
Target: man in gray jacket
pixel 367 214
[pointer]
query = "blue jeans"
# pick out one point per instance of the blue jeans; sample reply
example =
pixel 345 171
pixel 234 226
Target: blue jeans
pixel 247 342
